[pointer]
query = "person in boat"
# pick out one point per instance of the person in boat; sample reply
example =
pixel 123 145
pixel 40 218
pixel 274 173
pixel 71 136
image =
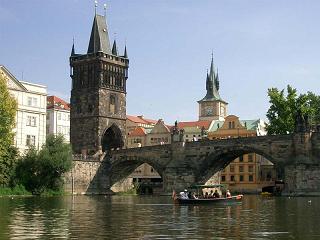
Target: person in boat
pixel 211 195
pixel 228 194
pixel 216 194
pixel 206 195
pixel 184 194
pixel 194 196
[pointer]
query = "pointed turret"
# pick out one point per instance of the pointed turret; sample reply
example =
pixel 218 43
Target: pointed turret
pixel 72 50
pixel 99 39
pixel 216 81
pixel 114 48
pixel 125 55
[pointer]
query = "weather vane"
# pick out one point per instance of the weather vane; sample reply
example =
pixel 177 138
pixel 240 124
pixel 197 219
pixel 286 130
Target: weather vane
pixel 95 6
pixel 105 9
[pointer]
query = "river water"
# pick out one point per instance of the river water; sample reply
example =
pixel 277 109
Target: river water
pixel 154 217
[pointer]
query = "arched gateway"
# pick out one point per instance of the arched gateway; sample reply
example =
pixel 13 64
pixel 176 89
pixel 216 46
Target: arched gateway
pixel 112 138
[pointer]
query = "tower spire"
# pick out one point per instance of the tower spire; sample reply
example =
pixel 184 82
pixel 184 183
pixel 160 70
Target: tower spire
pixel 72 50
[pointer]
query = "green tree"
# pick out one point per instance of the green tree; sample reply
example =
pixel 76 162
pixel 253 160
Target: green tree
pixel 43 170
pixel 284 109
pixel 8 108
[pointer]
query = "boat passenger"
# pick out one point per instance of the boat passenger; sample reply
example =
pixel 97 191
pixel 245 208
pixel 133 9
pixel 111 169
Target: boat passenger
pixel 184 194
pixel 206 195
pixel 194 195
pixel 216 194
pixel 211 195
pixel 228 194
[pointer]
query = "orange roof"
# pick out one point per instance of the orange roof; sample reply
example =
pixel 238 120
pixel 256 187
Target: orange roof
pixel 140 119
pixel 58 103
pixel 200 124
pixel 139 131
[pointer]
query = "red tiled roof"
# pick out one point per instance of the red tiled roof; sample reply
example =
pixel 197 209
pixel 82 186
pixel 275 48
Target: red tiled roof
pixel 139 119
pixel 55 102
pixel 200 124
pixel 139 131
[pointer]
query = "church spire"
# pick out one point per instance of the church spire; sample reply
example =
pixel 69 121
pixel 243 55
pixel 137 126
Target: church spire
pixel 216 81
pixel 114 48
pixel 99 38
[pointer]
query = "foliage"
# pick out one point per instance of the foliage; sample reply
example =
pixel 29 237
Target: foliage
pixel 8 107
pixel 42 171
pixel 284 109
pixel 7 166
pixel 16 190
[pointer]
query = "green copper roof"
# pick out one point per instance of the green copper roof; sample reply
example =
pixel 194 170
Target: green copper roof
pixel 212 86
pixel 215 126
pixel 250 124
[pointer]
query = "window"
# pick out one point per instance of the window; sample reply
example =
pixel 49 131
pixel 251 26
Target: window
pixel 250 178
pixel 250 168
pixel 241 178
pixel 33 102
pixel 31 121
pixel 250 157
pixel 112 104
pixel 232 178
pixel 31 140
pixel 231 168
pixel 152 170
pixel 59 116
pixel 241 159
pixel 223 178
pixel 230 125
pixel 240 168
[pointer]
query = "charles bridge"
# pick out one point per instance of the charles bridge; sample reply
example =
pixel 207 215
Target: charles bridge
pixel 296 157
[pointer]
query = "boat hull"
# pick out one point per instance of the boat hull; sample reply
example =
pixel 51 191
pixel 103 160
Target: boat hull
pixel 234 199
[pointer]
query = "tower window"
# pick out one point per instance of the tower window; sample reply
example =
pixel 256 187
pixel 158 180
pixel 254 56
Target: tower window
pixel 112 105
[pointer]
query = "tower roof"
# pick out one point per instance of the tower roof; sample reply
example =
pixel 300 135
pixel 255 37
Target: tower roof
pixel 212 85
pixel 99 39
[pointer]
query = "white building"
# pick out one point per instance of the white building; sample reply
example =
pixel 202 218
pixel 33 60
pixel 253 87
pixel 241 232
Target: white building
pixel 58 117
pixel 30 126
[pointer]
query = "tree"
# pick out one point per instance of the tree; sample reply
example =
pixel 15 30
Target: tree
pixel 8 108
pixel 283 110
pixel 43 170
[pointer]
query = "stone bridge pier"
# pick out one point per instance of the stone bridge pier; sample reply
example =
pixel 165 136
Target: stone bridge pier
pixel 297 156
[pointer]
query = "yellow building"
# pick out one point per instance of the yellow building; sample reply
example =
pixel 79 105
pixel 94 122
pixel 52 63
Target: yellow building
pixel 250 172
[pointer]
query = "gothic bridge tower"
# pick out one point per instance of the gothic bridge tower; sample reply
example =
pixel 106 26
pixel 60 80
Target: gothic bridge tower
pixel 98 95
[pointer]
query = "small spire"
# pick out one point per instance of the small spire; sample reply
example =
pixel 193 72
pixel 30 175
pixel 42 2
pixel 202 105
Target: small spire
pixel 72 50
pixel 125 55
pixel 216 81
pixel 114 48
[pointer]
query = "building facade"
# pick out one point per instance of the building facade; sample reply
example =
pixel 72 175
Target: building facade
pixel 98 95
pixel 30 128
pixel 212 107
pixel 58 117
pixel 250 172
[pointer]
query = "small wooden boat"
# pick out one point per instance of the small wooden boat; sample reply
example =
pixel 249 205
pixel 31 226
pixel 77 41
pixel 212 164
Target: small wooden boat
pixel 201 200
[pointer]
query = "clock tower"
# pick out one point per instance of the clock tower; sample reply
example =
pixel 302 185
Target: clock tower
pixel 212 107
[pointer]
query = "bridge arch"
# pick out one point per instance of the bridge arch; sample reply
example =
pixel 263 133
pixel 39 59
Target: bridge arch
pixel 112 138
pixel 218 160
pixel 122 169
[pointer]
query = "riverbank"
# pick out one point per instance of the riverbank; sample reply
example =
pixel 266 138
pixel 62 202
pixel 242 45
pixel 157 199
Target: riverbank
pixel 21 191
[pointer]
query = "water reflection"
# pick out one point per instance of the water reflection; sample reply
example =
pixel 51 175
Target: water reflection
pixel 131 217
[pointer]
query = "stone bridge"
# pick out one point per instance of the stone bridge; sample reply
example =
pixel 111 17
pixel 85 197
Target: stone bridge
pixel 296 156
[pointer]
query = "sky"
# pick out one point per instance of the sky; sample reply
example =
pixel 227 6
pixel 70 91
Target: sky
pixel 256 44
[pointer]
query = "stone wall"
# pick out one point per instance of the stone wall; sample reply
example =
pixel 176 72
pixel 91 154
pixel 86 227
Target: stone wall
pixel 302 179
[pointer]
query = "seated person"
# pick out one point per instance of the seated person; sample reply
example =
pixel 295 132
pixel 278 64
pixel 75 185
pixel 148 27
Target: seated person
pixel 184 194
pixel 211 195
pixel 194 195
pixel 228 194
pixel 216 194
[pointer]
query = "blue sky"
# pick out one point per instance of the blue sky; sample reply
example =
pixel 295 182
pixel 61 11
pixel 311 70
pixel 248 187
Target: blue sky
pixel 257 44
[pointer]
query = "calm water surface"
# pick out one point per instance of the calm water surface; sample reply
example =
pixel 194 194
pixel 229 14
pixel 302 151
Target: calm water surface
pixel 134 217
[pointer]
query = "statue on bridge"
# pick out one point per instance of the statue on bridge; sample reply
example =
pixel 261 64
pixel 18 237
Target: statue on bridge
pixel 302 123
